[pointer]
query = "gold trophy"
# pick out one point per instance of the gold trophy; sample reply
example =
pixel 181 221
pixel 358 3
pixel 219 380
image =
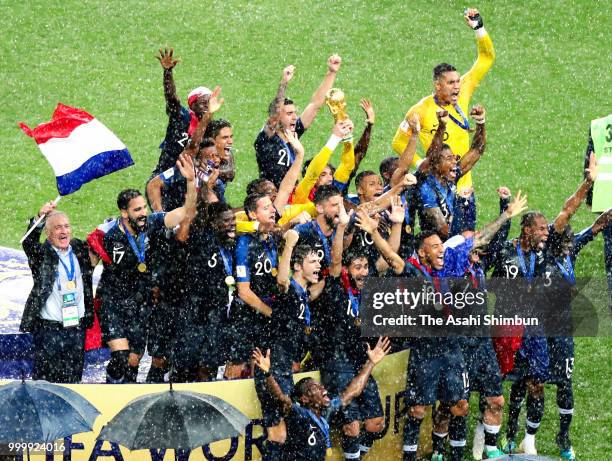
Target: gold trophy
pixel 336 102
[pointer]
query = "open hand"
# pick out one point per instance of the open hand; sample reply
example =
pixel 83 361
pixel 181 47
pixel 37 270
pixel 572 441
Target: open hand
pixel 185 166
pixel 166 59
pixel 262 361
pixel 367 107
pixel 382 348
pixel 214 102
pixel 517 206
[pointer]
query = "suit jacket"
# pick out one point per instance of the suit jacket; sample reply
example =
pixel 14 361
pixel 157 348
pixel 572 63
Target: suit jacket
pixel 43 261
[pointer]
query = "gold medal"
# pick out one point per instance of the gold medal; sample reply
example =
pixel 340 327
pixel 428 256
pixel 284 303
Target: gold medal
pixel 70 285
pixel 328 452
pixel 307 330
pixel 274 271
pixel 357 322
pixel 230 281
pixel 408 228
pixel 142 267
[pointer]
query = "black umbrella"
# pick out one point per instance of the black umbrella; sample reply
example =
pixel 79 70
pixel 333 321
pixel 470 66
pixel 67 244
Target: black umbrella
pixel 174 419
pixel 41 412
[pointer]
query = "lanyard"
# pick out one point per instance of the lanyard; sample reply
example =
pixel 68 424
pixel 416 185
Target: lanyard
pixel 521 260
pixel 69 273
pixel 270 251
pixel 323 425
pixel 415 262
pixel 465 125
pixel 290 154
pixel 355 301
pixel 406 208
pixel 324 242
pixel 228 260
pixel 567 270
pixel 304 298
pixel 139 252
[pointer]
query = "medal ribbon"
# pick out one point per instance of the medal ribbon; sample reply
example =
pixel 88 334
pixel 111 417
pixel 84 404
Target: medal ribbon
pixel 69 272
pixel 567 270
pixel 303 294
pixel 228 260
pixel 140 254
pixel 406 209
pixel 465 125
pixel 323 425
pixel 521 260
pixel 270 251
pixel 324 242
pixel 353 294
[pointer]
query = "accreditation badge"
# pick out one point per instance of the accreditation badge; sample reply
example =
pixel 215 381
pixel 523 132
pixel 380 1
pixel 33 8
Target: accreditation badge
pixel 70 311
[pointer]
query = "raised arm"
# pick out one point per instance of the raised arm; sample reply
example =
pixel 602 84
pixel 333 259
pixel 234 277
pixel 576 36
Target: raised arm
pixel 154 193
pixel 284 265
pixel 572 204
pixel 174 217
pixel 375 356
pixel 361 148
pixel 370 225
pixel 407 157
pixel 397 218
pixel 479 141
pixel 335 268
pixel 516 207
pixel 264 363
pixel 486 55
pixel 274 110
pixel 288 183
pixel 167 61
pixel 318 98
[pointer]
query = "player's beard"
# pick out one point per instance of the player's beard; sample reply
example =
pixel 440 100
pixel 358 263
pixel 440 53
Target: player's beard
pixel 330 221
pixel 137 226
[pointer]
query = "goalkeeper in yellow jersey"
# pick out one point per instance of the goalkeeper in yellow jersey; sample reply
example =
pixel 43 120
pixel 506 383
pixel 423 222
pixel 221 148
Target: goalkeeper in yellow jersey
pixel 452 93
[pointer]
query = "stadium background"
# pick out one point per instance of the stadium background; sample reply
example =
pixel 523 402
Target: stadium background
pixel 550 78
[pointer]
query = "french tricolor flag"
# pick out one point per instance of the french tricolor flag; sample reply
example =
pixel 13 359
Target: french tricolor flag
pixel 78 147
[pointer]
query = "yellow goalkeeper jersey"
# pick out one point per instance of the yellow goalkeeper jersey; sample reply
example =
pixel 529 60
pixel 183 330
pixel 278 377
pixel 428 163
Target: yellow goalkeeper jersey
pixel 456 137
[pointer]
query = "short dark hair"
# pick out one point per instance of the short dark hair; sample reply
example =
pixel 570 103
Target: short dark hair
pixel 363 174
pixel 529 219
pixel 254 185
pixel 300 388
pixel 420 238
pixel 250 202
pixel 215 126
pixel 207 142
pixel 301 252
pixel 441 69
pixel 125 197
pixel 387 165
pixel 216 209
pixel 288 102
pixel 353 253
pixel 435 157
pixel 325 192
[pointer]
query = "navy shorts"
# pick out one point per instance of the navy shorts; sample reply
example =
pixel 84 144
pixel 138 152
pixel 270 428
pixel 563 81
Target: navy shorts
pixel 440 377
pixel 162 327
pixel 336 377
pixel 125 318
pixel 244 330
pixel 281 370
pixel 531 360
pixel 561 357
pixel 483 370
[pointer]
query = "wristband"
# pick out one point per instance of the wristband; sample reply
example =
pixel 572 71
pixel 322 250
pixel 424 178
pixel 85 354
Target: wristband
pixel 475 21
pixel 266 374
pixel 482 122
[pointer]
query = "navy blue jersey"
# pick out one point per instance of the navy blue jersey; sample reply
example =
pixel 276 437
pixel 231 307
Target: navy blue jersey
pixel 274 155
pixel 306 441
pixel 122 279
pixel 257 263
pixel 208 265
pixel 310 234
pixel 291 323
pixel 437 195
pixel 175 140
pixel 175 188
pixel 337 324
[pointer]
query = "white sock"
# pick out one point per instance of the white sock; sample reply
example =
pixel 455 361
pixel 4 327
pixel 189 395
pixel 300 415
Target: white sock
pixel 529 439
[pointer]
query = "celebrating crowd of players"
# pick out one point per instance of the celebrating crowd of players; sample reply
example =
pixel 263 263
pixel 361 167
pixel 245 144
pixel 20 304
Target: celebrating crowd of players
pixel 212 291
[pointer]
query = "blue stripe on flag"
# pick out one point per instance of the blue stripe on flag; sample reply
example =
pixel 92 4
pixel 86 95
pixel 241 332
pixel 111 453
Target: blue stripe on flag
pixel 97 166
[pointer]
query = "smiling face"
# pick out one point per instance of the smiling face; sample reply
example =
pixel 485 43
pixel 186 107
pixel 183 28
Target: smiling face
pixel 310 267
pixel 330 209
pixel 224 141
pixel 537 233
pixel 370 188
pixel 431 252
pixel 326 177
pixel 225 226
pixel 207 154
pixel 447 166
pixel 358 271
pixel 59 231
pixel 288 117
pixel 315 395
pixel 136 214
pixel 265 212
pixel 447 87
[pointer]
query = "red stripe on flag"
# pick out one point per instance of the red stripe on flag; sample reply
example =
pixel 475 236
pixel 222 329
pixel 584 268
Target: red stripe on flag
pixel 63 122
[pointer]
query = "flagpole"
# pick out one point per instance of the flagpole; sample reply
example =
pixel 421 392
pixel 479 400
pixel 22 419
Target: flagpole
pixel 40 218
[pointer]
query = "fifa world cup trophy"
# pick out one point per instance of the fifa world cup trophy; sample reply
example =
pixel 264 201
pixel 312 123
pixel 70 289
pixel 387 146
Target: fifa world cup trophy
pixel 336 102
